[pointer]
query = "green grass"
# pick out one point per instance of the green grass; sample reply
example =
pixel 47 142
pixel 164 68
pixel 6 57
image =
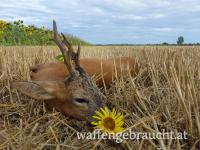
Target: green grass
pixel 17 33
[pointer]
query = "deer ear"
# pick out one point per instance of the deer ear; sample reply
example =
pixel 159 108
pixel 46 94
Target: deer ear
pixel 41 90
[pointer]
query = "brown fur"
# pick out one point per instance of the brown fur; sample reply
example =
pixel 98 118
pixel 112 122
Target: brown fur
pixel 58 71
pixel 60 90
pixel 69 87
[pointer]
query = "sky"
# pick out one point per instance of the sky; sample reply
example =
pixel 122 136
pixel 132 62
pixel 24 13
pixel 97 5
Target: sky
pixel 112 21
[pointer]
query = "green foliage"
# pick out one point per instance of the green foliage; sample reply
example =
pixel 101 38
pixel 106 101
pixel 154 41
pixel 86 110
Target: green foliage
pixel 165 43
pixel 180 40
pixel 17 33
pixel 59 58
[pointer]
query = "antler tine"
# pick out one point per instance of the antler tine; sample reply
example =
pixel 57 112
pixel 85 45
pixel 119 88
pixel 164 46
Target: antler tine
pixel 66 41
pixel 69 46
pixel 77 60
pixel 66 55
pixel 75 56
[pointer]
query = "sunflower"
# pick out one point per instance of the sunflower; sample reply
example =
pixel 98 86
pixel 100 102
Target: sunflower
pixel 109 121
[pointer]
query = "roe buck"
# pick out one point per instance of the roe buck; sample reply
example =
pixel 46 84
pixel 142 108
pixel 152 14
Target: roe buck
pixel 68 86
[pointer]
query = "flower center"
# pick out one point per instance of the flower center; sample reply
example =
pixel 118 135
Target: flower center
pixel 109 123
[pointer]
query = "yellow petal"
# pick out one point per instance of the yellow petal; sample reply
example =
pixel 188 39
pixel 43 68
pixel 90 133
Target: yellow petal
pixel 104 112
pixel 119 129
pixel 117 115
pixel 99 114
pixel 113 114
pixel 119 123
pixel 94 123
pixel 107 110
pixel 119 118
pixel 97 117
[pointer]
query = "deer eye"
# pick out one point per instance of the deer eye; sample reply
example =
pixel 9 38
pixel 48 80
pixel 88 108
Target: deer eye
pixel 81 101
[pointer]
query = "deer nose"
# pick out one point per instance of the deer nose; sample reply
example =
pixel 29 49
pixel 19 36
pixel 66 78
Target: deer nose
pixel 91 113
pixel 90 117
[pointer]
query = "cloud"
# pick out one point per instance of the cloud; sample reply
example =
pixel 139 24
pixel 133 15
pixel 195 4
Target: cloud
pixel 30 11
pixel 22 5
pixel 165 29
pixel 111 21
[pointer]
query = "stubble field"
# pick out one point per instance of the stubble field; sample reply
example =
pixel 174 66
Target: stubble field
pixel 164 95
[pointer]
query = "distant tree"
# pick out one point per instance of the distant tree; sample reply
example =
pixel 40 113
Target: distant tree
pixel 180 40
pixel 165 43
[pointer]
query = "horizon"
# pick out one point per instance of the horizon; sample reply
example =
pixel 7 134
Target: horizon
pixel 112 22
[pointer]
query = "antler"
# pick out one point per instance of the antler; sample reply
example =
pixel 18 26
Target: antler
pixel 77 60
pixel 66 54
pixel 75 56
pixel 69 46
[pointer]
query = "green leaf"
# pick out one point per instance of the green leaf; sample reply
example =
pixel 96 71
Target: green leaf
pixel 59 58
